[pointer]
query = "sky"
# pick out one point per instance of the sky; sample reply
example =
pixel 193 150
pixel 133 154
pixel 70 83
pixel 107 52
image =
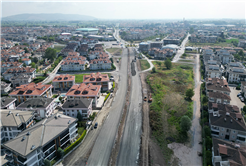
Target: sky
pixel 169 9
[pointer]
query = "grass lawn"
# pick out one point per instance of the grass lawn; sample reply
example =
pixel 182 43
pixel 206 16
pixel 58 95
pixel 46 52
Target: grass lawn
pixel 230 40
pixel 80 130
pixel 182 60
pixel 59 48
pixel 144 64
pixel 222 44
pixel 115 50
pixel 38 79
pixel 54 96
pixel 169 104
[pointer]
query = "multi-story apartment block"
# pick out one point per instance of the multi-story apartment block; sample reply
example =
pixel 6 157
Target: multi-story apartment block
pixel 10 65
pixel 219 97
pixel 7 103
pixel 20 79
pixel 31 90
pixel 144 46
pixel 13 122
pixel 98 64
pixel 97 79
pixel 171 41
pixel 63 82
pixel 42 107
pixel 227 125
pixel 41 141
pixel 225 56
pixel 242 43
pixel 235 72
pixel 213 71
pixel 228 153
pixel 23 70
pixel 217 85
pixel 73 63
pixel 80 91
pixel 72 107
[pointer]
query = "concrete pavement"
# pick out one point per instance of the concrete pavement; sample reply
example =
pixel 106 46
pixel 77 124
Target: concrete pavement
pixel 234 99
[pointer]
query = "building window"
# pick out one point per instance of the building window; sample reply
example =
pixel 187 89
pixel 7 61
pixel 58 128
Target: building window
pixel 234 131
pixel 222 134
pixel 72 110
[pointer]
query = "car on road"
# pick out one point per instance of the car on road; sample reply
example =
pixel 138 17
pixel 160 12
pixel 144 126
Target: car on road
pixel 95 126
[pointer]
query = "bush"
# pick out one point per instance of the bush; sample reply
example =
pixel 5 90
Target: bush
pixel 106 97
pixel 189 93
pixel 238 87
pixel 60 153
pixel 47 162
pixel 113 85
pixel 168 64
pixel 68 149
pixel 185 123
pixel 153 70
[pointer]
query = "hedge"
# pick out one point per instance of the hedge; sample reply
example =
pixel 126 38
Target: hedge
pixel 68 149
pixel 106 96
pixel 113 85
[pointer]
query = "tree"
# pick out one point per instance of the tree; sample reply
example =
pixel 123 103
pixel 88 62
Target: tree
pixel 189 93
pixel 158 63
pixel 26 50
pixel 20 60
pixel 35 60
pixel 207 131
pixel 60 153
pixel 185 123
pixel 24 65
pixel 47 162
pixel 33 65
pixel 209 157
pixel 50 54
pixel 204 100
pixel 16 44
pixel 79 116
pixel 168 64
pixel 244 109
pixel 153 70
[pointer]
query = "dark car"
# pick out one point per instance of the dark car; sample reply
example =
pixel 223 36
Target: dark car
pixel 96 124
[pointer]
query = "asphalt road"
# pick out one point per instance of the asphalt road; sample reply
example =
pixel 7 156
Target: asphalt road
pixel 104 143
pixel 182 49
pixel 130 143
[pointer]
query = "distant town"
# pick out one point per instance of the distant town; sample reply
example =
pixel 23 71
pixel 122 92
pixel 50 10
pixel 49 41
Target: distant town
pixel 123 92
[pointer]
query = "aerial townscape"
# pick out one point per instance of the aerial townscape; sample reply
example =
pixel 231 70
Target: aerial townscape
pixel 111 84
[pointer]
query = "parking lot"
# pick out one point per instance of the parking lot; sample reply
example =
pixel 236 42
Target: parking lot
pixel 234 99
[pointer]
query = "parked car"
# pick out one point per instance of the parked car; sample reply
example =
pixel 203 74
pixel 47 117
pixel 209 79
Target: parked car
pixel 242 99
pixel 239 94
pixel 96 124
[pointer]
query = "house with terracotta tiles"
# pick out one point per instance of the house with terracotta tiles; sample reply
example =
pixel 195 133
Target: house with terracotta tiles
pixel 80 91
pixel 19 70
pixel 9 65
pixel 63 82
pixel 73 62
pixel 97 79
pixel 31 90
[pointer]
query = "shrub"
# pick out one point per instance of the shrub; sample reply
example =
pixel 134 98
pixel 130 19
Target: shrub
pixel 168 64
pixel 68 149
pixel 106 97
pixel 60 153
pixel 113 85
pixel 153 70
pixel 185 123
pixel 189 93
pixel 238 87
pixel 47 162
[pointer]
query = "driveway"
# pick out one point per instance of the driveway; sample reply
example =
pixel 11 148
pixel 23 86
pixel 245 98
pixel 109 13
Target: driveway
pixel 234 99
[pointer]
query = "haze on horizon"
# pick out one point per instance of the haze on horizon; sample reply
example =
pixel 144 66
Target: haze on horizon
pixel 133 10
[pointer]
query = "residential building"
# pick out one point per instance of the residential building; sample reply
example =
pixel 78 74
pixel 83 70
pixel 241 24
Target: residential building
pixel 42 107
pixel 31 90
pixel 41 141
pixel 242 43
pixel 65 36
pixel 72 107
pixel 27 61
pixel 63 82
pixel 5 87
pixel 156 45
pixel 13 122
pixel 79 91
pixel 97 79
pixel 73 63
pixel 7 103
pixel 144 46
pixel 217 85
pixel 213 71
pixel 83 49
pixel 243 88
pixel 10 65
pixel 215 107
pixel 20 79
pixel 225 56
pixel 235 72
pixel 171 41
pixel 227 153
pixel 86 31
pixel 227 125
pixel 98 64
pixel 7 75
pixel 219 97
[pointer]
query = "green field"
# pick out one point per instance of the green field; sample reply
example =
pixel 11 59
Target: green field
pixel 169 104
pixel 58 48
pixel 144 64
pixel 114 50
pixel 230 40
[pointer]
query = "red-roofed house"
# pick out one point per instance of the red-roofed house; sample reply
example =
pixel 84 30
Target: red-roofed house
pixel 27 61
pixel 63 82
pixel 73 63
pixel 97 79
pixel 82 90
pixel 32 90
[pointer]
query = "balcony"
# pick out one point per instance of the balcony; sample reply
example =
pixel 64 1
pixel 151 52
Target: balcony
pixel 9 158
pixel 49 148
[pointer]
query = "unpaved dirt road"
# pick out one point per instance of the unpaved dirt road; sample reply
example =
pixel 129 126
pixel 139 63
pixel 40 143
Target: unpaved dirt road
pixel 188 155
